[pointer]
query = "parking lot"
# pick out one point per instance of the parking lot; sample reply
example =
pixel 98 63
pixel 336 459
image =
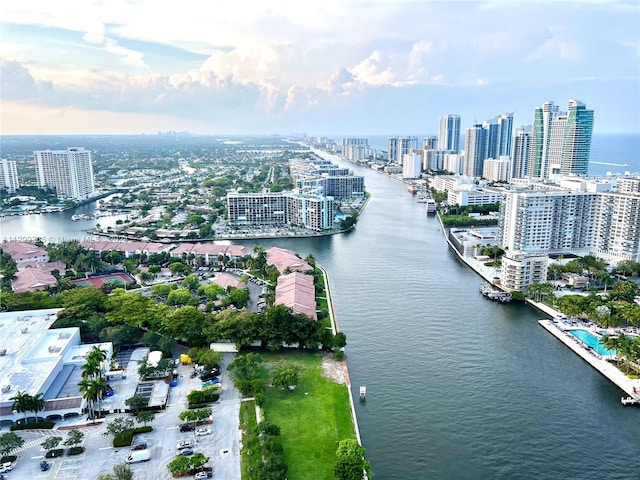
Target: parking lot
pixel 221 445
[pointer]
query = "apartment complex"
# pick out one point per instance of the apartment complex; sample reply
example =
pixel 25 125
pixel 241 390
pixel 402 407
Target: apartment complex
pixel 9 176
pixel 313 212
pixel 545 220
pixel 69 172
pixel 398 147
pixel 520 270
pixel 449 133
pixel 560 141
pixel 355 149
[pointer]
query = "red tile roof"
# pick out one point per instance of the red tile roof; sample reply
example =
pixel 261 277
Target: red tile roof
pixel 296 290
pixel 284 259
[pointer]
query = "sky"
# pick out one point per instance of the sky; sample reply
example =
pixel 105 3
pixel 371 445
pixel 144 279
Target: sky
pixel 330 67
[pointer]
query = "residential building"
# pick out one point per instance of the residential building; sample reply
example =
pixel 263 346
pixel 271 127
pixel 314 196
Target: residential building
pixel 284 259
pixel 560 141
pixel 340 187
pixel 497 170
pixel 69 172
pixel 9 176
pixel 589 219
pixel 519 270
pixel 449 133
pixel 355 149
pixel 475 150
pixel 313 212
pixel 430 143
pixel 297 291
pixel 434 159
pixel 453 163
pixel 399 146
pixel 520 154
pixel 475 196
pixel 412 165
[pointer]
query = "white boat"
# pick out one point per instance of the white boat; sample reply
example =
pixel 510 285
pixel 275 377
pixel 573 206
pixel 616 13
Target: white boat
pixel 432 206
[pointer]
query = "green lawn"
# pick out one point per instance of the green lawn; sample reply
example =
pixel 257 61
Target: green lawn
pixel 312 419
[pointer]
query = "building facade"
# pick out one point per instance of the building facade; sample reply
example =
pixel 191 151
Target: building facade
pixel 519 270
pixel 560 141
pixel 9 176
pixel 69 172
pixel 449 133
pixel 397 147
pixel 520 153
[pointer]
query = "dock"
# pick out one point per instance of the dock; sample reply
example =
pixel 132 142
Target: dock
pixel 494 293
pixel 629 386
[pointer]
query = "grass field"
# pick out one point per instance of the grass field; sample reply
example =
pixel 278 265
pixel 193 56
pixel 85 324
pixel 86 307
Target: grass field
pixel 312 418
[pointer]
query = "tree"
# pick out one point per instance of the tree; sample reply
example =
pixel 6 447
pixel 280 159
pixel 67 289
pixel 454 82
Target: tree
pixel 212 291
pixel 74 438
pixel 146 277
pixel 51 442
pixel 136 403
pixel 21 403
pixel 181 296
pixel 118 426
pixel 191 282
pixel 205 357
pixel 9 442
pixel 121 471
pixel 36 404
pixel 179 464
pixel 350 462
pixel 145 416
pixel 285 376
pixel 198 460
pixel 177 267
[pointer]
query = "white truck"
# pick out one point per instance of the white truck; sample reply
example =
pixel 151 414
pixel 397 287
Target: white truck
pixel 138 456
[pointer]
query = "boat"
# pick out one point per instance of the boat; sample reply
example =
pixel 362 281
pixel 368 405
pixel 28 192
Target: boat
pixel 493 293
pixel 432 206
pixel 412 189
pixel 423 199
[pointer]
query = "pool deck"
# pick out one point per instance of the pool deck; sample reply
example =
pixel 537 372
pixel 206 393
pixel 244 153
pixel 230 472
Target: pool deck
pixel 560 331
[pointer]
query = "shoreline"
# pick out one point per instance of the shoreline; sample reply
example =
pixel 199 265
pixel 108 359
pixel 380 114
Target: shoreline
pixel 335 327
pixel 610 372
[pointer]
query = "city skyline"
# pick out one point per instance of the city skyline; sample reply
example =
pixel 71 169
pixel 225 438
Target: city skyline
pixel 375 67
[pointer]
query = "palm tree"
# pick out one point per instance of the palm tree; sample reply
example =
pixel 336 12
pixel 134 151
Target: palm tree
pixel 22 403
pixel 91 390
pixel 37 404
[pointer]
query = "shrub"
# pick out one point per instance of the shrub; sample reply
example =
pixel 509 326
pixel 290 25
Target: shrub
pixel 207 395
pixel 75 450
pixel 33 426
pixel 126 438
pixel 338 355
pixel 54 453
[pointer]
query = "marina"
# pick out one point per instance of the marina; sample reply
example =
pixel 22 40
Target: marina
pixel 493 293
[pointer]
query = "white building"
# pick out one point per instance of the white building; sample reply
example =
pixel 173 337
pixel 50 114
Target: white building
pixel 412 165
pixel 520 270
pixel 454 163
pixel 69 172
pixel 36 359
pixel 449 133
pixel 587 220
pixel 9 176
pixel 475 196
pixel 497 170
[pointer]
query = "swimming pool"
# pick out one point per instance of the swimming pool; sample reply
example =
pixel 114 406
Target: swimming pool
pixel 591 340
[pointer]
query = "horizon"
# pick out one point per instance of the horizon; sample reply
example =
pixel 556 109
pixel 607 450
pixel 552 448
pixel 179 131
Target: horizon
pixel 354 66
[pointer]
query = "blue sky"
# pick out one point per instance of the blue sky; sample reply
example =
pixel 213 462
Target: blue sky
pixel 324 67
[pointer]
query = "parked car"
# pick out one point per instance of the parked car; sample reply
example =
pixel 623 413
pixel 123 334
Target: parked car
pixel 200 475
pixel 6 467
pixel 187 428
pixel 139 446
pixel 186 452
pixel 184 444
pixel 202 431
pixel 44 465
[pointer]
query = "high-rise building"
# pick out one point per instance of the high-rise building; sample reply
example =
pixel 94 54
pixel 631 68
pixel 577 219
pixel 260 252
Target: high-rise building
pixel 412 165
pixel 398 147
pixel 449 133
pixel 585 220
pixel 560 142
pixel 430 143
pixel 9 176
pixel 69 172
pixel 520 154
pixel 499 135
pixel 475 150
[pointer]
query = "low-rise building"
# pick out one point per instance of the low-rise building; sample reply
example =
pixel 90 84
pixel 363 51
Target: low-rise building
pixel 519 270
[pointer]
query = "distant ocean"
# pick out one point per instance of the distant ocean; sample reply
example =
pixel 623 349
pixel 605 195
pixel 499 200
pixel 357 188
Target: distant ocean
pixel 610 153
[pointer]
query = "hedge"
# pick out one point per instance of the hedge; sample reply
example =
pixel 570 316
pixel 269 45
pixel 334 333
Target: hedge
pixel 54 453
pixel 33 426
pixel 126 438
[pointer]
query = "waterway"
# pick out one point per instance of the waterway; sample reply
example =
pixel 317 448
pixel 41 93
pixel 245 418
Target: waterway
pixel 458 387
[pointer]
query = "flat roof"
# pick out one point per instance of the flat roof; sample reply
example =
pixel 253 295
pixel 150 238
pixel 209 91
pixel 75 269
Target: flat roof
pixel 25 337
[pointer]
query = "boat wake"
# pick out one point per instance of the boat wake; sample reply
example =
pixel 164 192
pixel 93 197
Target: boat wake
pixel 612 164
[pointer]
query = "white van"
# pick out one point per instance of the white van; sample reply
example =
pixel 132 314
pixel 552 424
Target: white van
pixel 138 456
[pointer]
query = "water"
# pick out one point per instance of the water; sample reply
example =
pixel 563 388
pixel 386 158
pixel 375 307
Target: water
pixel 592 341
pixel 458 387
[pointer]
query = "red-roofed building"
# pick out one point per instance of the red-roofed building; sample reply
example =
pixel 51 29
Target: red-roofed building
pixel 23 252
pixel 126 248
pixel 283 259
pixel 227 280
pixel 296 291
pixel 31 279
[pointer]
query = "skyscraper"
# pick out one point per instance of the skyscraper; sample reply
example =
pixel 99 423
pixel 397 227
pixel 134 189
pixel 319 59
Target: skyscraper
pixel 475 148
pixel 400 146
pixel 560 142
pixel 449 133
pixel 499 135
pixel 520 157
pixel 69 172
pixel 9 176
